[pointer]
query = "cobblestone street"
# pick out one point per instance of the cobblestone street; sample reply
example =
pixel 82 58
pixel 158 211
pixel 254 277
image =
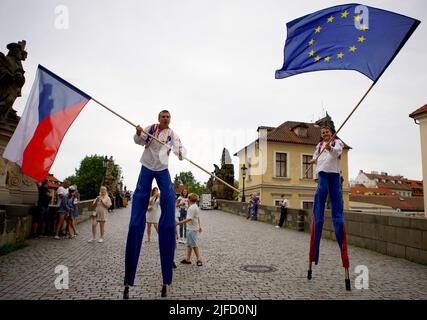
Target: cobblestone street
pixel 228 243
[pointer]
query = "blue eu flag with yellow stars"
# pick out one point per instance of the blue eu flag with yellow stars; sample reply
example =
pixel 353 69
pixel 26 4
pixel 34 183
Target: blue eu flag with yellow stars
pixel 345 37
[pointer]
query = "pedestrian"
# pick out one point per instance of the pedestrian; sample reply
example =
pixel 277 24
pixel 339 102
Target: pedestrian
pixel 249 206
pixel 111 208
pixel 194 229
pixel 72 208
pixel 101 204
pixel 284 203
pixel 182 204
pixel 118 199
pixel 42 211
pixel 154 166
pixel 76 212
pixel 63 212
pixel 61 193
pixel 153 212
pixel 328 171
pixel 254 207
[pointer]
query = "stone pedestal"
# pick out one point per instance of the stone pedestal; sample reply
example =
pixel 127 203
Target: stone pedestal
pixel 15 187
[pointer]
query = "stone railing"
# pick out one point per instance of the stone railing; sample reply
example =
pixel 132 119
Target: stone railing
pixel 397 236
pixel 16 220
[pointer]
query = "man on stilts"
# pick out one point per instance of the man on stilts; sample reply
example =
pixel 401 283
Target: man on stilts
pixel 327 155
pixel 154 166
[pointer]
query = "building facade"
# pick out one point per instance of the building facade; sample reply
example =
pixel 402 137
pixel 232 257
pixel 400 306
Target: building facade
pixel 277 164
pixel 420 118
pixel 388 185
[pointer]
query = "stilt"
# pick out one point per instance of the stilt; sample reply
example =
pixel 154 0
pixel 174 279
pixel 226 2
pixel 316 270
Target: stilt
pixel 164 291
pixel 126 293
pixel 347 280
pixel 309 272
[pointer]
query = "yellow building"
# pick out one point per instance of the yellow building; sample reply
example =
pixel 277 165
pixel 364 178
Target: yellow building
pixel 277 162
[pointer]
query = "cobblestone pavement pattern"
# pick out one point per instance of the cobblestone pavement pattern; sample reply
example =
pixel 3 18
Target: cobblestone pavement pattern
pixel 228 243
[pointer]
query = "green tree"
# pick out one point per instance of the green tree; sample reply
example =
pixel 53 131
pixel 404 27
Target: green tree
pixel 89 176
pixel 188 179
pixel 235 194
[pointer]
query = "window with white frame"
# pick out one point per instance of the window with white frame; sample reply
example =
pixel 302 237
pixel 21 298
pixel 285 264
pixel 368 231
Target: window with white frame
pixel 305 165
pixel 307 205
pixel 281 164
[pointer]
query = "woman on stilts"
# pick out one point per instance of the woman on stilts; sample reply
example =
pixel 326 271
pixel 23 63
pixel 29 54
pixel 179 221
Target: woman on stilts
pixel 327 156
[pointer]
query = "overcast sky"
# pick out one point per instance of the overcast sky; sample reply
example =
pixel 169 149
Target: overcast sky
pixel 212 64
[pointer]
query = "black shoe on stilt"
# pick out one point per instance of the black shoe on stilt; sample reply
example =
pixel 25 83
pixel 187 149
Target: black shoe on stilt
pixel 309 272
pixel 347 285
pixel 347 280
pixel 126 293
pixel 164 291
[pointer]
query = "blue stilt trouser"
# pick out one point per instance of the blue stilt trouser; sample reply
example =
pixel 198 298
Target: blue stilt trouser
pixel 328 182
pixel 167 228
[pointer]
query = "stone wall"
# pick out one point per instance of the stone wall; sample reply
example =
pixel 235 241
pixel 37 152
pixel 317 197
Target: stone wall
pixel 397 236
pixel 16 220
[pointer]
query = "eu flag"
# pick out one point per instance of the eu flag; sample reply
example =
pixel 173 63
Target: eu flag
pixel 345 37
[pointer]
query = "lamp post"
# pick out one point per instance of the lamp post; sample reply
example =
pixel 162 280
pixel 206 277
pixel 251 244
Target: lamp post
pixel 243 168
pixel 104 165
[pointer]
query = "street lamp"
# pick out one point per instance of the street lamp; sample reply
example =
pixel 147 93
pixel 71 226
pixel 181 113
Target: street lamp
pixel 104 165
pixel 243 168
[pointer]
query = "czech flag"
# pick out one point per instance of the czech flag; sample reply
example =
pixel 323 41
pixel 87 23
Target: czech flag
pixel 52 107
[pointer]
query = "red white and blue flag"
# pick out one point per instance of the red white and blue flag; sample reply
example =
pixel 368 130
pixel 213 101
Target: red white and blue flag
pixel 52 107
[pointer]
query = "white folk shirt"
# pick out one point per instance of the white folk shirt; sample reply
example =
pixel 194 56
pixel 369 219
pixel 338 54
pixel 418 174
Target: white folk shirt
pixel 156 157
pixel 329 161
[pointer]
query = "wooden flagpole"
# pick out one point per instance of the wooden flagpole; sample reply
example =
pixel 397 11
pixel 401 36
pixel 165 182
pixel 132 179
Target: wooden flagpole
pixel 345 121
pixel 163 143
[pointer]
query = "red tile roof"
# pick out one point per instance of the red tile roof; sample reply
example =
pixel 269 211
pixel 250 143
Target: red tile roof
pixel 285 134
pixel 404 185
pixel 53 183
pixel 419 111
pixel 394 186
pixel 395 202
pixel 362 190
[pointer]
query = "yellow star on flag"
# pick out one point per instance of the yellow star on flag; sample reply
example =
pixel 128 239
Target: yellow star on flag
pixel 311 42
pixel 361 39
pixel 327 59
pixel 344 14
pixel 317 58
pixel 317 30
pixel 330 19
pixel 353 49
pixel 340 55
pixel 311 53
pixel 357 18
pixel 363 28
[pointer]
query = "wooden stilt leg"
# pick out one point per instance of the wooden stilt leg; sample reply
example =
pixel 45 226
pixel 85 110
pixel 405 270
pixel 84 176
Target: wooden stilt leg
pixel 347 280
pixel 309 272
